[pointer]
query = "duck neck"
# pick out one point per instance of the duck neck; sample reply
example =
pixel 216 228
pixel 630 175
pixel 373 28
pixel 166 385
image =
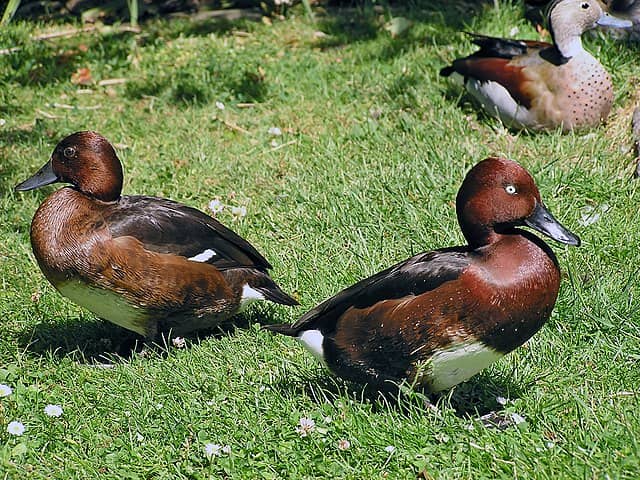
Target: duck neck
pixel 105 186
pixel 569 46
pixel 565 33
pixel 480 235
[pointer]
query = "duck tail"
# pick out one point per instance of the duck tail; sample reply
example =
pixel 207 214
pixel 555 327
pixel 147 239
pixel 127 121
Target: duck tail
pixel 446 71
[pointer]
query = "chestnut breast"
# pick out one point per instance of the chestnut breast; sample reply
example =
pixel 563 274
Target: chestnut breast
pixel 71 241
pixel 503 297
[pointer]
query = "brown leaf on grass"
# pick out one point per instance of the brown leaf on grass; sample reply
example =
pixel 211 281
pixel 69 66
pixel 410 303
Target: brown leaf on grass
pixel 82 76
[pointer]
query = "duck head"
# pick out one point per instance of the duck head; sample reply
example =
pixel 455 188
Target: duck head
pixel 498 195
pixel 87 161
pixel 569 19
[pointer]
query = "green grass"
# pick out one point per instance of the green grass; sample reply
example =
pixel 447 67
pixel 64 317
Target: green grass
pixel 374 148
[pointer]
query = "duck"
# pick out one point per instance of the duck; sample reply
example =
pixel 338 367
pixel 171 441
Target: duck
pixel 630 10
pixel 439 317
pixel 535 85
pixel 148 264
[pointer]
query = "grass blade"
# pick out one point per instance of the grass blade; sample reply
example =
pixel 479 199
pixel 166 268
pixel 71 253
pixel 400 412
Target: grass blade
pixel 10 11
pixel 133 12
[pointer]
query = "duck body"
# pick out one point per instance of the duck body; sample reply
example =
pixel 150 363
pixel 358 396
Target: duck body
pixel 147 264
pixel 519 88
pixel 538 85
pixel 629 9
pixel 440 317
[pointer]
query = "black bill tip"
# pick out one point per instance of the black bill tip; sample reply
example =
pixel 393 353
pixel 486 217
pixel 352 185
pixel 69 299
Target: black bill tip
pixel 44 176
pixel 545 223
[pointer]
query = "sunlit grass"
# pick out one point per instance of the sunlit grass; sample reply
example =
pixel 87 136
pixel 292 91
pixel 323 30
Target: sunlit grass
pixel 373 147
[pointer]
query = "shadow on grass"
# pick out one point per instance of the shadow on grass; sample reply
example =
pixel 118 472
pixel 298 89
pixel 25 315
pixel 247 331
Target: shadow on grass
pixel 348 25
pixel 474 398
pixel 43 63
pixel 102 342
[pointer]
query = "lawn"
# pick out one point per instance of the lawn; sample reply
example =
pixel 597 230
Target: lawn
pixel 373 146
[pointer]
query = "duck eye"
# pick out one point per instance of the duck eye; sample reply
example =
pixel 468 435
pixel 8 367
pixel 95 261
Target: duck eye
pixel 585 5
pixel 69 152
pixel 510 189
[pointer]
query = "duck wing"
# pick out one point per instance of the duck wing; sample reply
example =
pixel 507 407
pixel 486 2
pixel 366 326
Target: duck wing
pixel 493 63
pixel 165 226
pixel 495 47
pixel 417 275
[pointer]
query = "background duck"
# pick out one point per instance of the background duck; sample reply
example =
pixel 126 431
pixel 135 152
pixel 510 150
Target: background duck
pixel 629 9
pixel 144 263
pixel 440 317
pixel 538 85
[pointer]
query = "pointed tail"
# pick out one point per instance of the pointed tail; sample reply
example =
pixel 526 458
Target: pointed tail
pixel 283 328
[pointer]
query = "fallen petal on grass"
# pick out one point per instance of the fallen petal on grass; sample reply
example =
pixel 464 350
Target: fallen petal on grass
pixel 216 450
pixel 5 390
pixel 53 410
pixel 305 427
pixel 212 450
pixel 344 444
pixel 216 206
pixel 239 212
pixel 15 428
pixel 517 419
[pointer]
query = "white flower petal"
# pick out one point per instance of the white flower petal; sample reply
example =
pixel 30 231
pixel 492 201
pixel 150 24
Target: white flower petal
pixel 239 211
pixel 212 450
pixel 305 427
pixel 15 428
pixel 5 390
pixel 216 206
pixel 53 410
pixel 343 444
pixel 517 419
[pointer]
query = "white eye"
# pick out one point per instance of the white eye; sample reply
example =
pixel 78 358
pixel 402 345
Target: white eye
pixel 510 189
pixel 69 152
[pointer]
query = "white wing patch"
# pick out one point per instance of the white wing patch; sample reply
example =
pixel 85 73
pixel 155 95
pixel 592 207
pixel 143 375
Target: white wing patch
pixel 249 295
pixel 456 365
pixel 106 305
pixel 208 254
pixel 312 340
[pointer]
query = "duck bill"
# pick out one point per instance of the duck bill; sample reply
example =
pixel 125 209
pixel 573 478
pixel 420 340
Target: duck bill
pixel 608 20
pixel 542 221
pixel 44 176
